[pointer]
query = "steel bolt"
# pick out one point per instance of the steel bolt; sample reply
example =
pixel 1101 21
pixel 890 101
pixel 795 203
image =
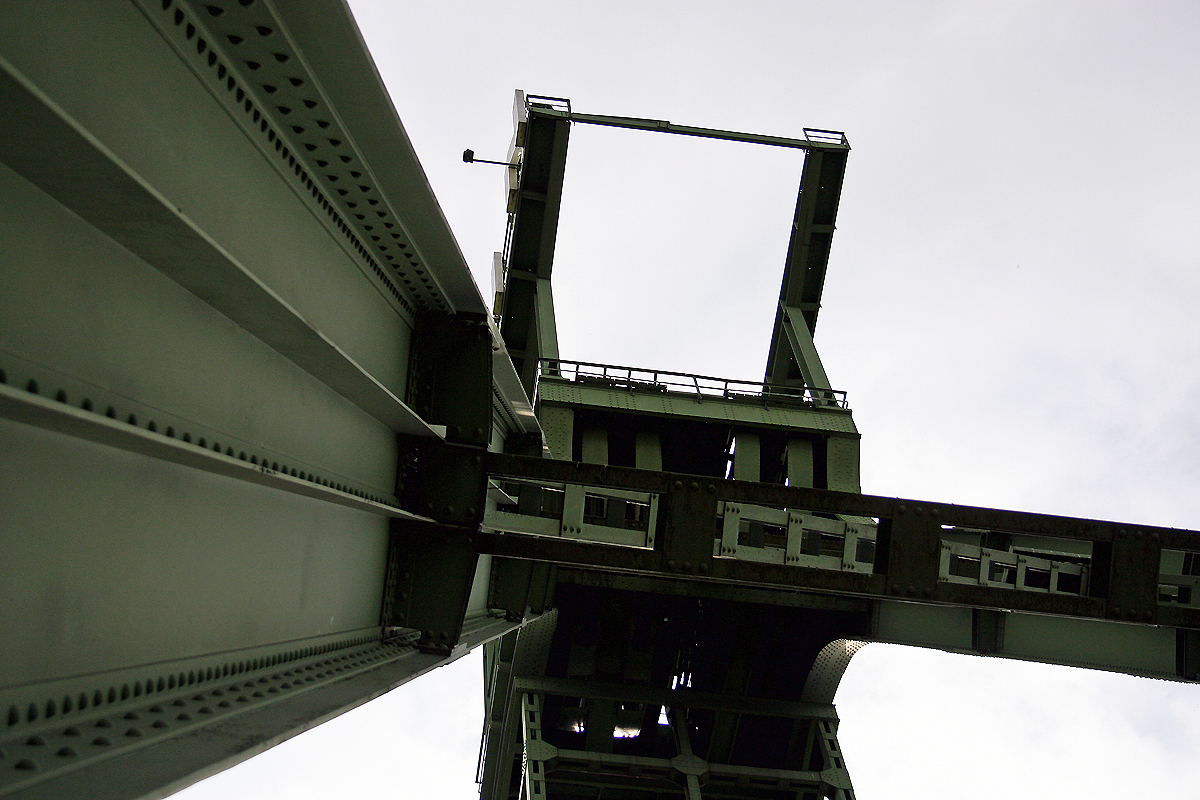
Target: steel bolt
pixel 670 563
pixel 900 510
pixel 1149 615
pixel 711 488
pixel 687 566
pixel 704 568
pixel 695 486
pixel 678 484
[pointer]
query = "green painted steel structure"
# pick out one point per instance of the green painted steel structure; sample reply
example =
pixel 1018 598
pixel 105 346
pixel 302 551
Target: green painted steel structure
pixel 268 453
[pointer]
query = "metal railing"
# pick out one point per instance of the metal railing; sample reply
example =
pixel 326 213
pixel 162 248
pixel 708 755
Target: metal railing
pixel 822 135
pixel 698 386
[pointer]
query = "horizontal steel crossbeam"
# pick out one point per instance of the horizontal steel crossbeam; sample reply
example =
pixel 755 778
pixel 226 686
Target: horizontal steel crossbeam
pixel 1126 558
pixel 677 698
pixel 817 139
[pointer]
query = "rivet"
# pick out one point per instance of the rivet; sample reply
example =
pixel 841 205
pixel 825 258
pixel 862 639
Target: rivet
pixel 912 589
pixel 1116 611
pixel 900 510
pixel 895 587
pixel 687 566
pixel 926 591
pixel 1155 536
pixel 695 486
pixel 678 484
pixel 711 488
pixel 670 563
pixel 704 567
pixel 1132 614
pixel 933 512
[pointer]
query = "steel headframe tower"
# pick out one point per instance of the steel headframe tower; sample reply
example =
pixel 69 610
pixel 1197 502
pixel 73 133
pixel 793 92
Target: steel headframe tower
pixel 712 565
pixel 266 454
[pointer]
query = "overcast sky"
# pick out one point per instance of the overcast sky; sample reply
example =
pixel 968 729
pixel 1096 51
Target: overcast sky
pixel 1011 304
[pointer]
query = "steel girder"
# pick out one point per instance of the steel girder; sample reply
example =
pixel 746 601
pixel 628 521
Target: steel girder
pixel 225 277
pixel 911 562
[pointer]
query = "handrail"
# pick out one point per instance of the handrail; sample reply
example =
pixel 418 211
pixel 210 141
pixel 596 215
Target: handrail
pixel 699 386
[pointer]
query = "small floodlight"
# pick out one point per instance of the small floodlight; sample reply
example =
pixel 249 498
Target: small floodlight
pixel 469 158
